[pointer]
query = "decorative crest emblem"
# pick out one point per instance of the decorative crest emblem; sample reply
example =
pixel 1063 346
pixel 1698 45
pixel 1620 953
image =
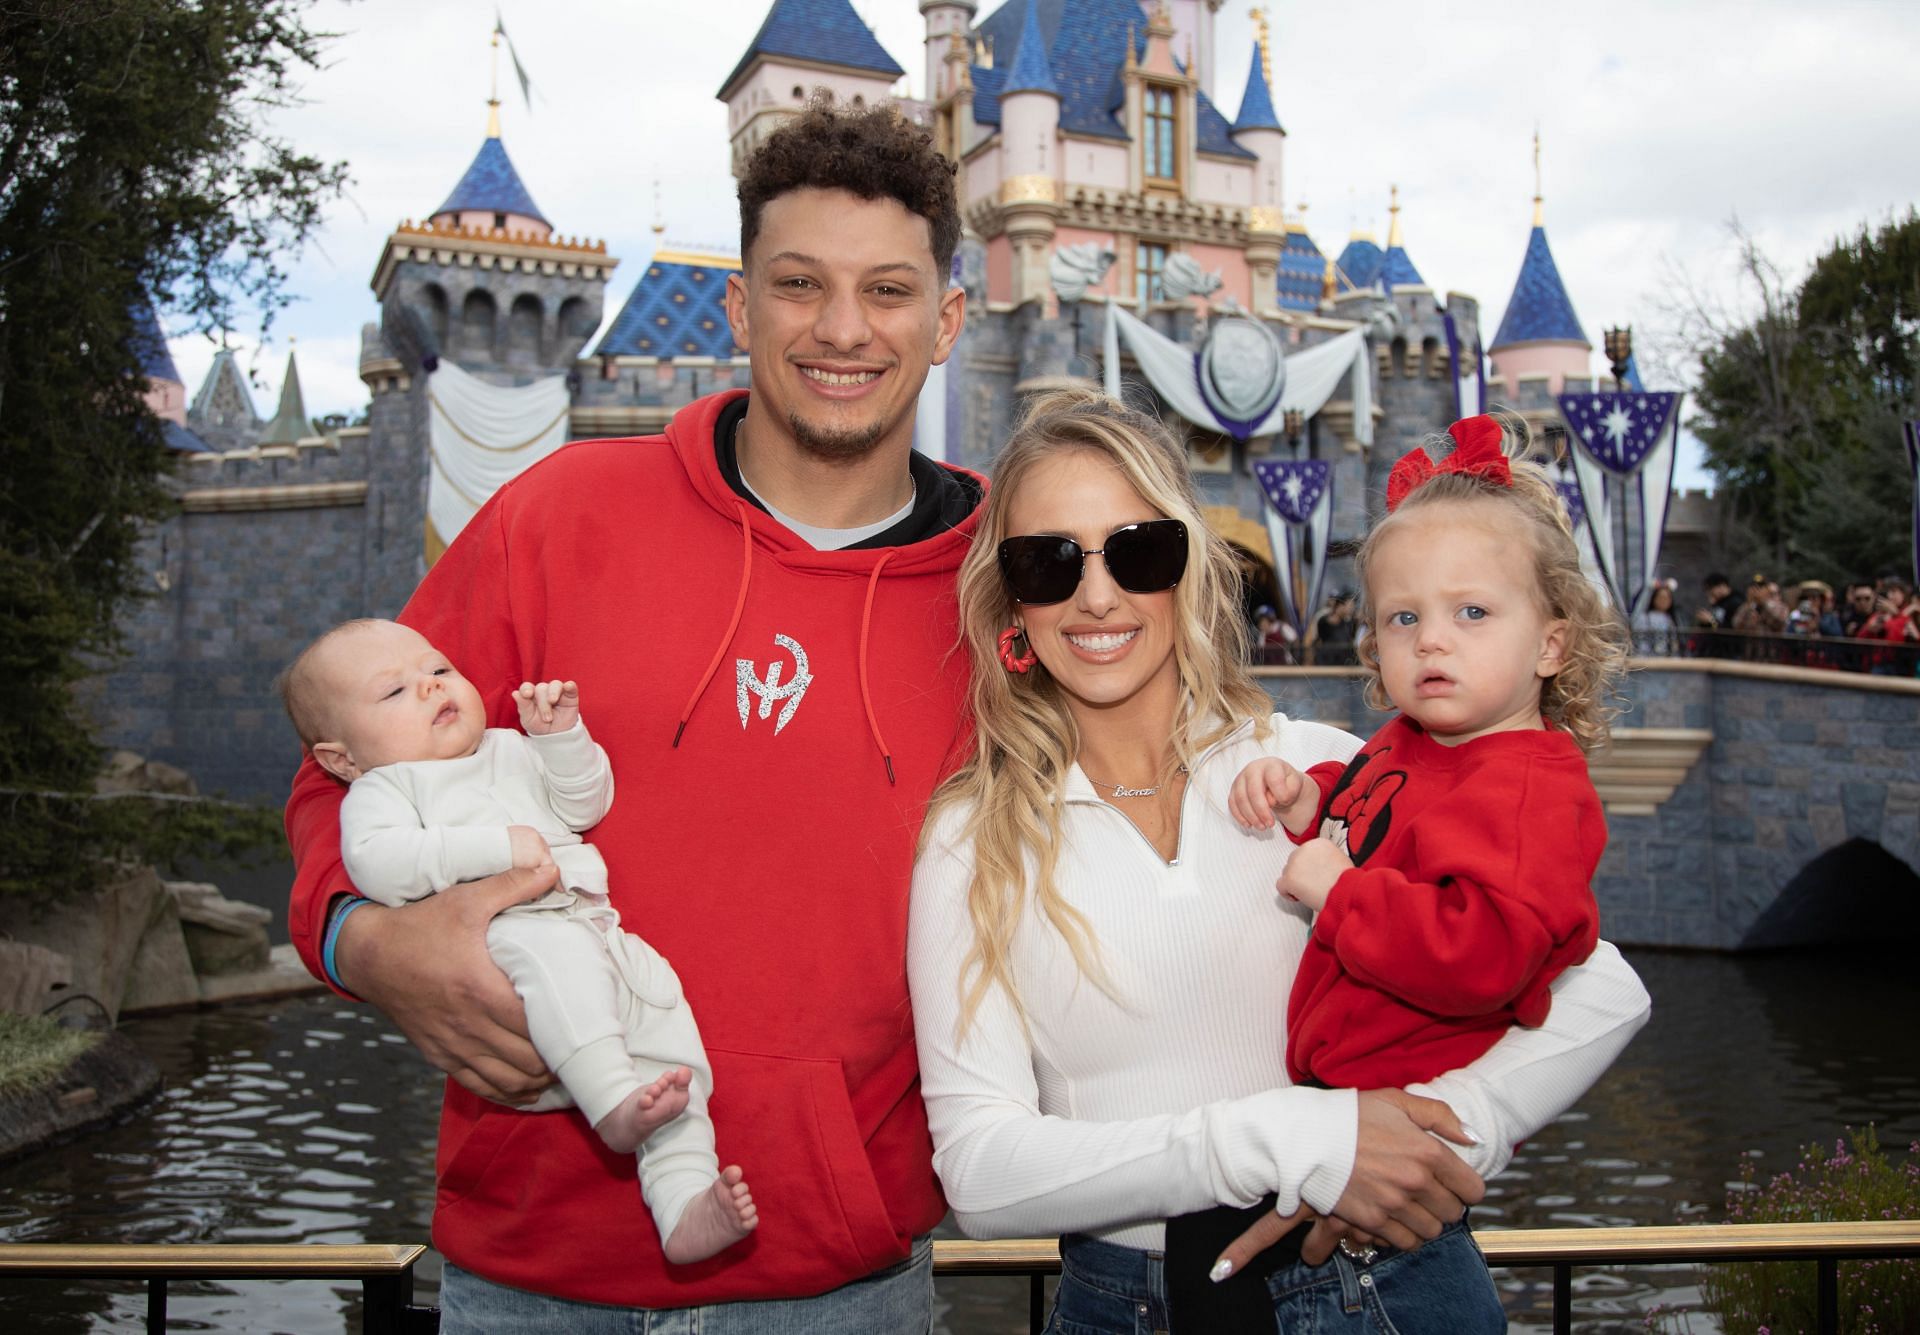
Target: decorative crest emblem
pixel 1241 371
pixel 771 689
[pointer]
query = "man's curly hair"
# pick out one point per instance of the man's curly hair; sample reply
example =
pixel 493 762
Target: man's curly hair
pixel 872 152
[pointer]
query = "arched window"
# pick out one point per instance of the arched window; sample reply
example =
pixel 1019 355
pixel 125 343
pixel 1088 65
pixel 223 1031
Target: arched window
pixel 523 331
pixel 477 317
pixel 1159 136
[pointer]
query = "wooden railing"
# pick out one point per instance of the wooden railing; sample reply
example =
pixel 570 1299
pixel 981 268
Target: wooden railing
pixel 386 1272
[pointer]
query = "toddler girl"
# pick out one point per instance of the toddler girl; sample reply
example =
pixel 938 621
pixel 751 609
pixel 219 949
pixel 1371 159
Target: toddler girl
pixel 1449 864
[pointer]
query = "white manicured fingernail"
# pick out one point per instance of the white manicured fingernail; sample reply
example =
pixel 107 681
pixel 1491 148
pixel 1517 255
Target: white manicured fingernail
pixel 1221 1269
pixel 1471 1134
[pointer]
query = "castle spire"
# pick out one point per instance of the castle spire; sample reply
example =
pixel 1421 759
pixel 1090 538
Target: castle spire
pixel 1539 214
pixel 493 94
pixel 1031 72
pixel 1393 216
pixel 1256 104
pixel 289 425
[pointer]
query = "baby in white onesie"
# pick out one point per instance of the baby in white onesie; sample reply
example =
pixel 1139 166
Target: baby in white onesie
pixel 435 797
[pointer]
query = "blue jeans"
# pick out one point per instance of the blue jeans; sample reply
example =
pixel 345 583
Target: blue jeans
pixel 894 1301
pixel 1441 1289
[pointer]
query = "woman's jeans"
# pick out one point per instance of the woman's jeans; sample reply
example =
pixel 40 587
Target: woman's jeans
pixel 1441 1289
pixel 895 1301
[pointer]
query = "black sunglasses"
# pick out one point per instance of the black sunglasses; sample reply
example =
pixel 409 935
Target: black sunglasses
pixel 1142 558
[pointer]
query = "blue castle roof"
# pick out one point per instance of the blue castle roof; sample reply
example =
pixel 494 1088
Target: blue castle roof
pixel 1539 309
pixel 1030 73
pixel 1086 45
pixel 149 345
pixel 1398 269
pixel 1256 104
pixel 491 185
pixel 826 32
pixel 1302 271
pixel 1360 264
pixel 180 440
pixel 677 309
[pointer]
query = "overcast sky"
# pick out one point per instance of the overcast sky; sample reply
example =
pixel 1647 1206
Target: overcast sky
pixel 1660 123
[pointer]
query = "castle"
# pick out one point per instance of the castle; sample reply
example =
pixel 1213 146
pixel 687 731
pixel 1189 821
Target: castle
pixel 1093 125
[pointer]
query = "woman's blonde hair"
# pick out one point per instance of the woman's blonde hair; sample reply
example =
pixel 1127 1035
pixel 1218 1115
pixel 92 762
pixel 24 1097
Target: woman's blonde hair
pixel 1024 737
pixel 1579 698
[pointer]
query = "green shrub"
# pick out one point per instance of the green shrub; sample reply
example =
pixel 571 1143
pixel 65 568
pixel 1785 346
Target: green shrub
pixel 1845 1183
pixel 33 1050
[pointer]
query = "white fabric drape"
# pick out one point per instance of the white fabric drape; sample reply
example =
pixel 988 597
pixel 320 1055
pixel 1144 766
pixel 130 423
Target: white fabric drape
pixel 482 436
pixel 1300 560
pixel 1312 375
pixel 1655 484
pixel 1597 497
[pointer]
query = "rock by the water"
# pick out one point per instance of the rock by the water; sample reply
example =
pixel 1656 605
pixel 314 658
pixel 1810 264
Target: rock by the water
pixel 32 977
pixel 99 932
pixel 223 936
pixel 99 1085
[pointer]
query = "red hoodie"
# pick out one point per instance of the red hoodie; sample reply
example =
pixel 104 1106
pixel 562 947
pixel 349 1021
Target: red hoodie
pixel 767 855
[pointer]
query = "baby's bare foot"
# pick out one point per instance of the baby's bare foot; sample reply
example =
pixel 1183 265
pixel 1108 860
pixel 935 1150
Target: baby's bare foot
pixel 714 1220
pixel 645 1111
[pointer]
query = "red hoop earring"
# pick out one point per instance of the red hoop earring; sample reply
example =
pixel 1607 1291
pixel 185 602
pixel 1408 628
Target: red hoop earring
pixel 1021 662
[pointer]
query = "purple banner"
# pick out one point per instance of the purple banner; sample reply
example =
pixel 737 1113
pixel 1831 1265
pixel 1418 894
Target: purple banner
pixel 1618 430
pixel 1293 486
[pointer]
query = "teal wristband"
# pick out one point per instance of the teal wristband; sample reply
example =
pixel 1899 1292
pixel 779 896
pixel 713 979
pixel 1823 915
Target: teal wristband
pixel 333 939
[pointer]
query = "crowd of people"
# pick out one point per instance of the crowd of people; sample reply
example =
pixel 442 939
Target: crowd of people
pixel 1870 626
pixel 1873 614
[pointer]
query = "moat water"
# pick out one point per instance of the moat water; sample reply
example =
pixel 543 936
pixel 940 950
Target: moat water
pixel 312 1121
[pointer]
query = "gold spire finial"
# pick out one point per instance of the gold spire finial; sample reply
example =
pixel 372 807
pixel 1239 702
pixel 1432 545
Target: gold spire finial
pixel 1539 214
pixel 1393 215
pixel 1329 286
pixel 493 97
pixel 659 220
pixel 1263 42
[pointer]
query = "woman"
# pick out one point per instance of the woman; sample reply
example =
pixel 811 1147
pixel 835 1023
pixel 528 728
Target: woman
pixel 1098 961
pixel 1655 629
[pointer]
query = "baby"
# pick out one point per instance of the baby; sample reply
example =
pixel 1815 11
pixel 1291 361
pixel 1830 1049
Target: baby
pixel 435 798
pixel 1449 864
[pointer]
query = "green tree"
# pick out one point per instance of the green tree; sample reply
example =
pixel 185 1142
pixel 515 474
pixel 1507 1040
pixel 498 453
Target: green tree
pixel 1800 405
pixel 134 164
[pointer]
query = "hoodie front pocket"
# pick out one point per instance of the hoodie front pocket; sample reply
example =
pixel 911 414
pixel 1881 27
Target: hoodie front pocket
pixel 788 1123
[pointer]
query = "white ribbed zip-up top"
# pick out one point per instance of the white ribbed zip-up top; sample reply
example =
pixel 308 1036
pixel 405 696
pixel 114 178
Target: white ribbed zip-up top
pixel 1117 1114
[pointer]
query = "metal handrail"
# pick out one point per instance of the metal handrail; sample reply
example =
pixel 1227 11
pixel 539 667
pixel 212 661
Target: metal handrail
pixel 1562 1249
pixel 386 1272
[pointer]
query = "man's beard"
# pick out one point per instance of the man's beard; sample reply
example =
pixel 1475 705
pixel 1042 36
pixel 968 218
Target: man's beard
pixel 835 446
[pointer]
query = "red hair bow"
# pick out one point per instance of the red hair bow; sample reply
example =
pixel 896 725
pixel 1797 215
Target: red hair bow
pixel 1477 451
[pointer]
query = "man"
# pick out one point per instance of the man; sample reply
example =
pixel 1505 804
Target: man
pixel 1722 603
pixel 1333 631
pixel 761 606
pixel 1860 609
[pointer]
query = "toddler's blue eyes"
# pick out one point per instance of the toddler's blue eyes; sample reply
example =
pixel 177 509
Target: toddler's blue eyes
pixel 1403 619
pixel 1473 613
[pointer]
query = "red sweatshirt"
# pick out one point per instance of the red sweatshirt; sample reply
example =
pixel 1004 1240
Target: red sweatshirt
pixel 767 855
pixel 1471 891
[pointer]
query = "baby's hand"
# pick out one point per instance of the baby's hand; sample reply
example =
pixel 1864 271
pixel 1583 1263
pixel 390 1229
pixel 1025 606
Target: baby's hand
pixel 547 706
pixel 1311 871
pixel 529 846
pixel 1267 786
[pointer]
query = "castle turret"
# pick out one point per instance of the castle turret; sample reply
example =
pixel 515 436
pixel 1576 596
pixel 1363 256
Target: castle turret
pixel 1029 137
pixel 1257 129
pixel 803 45
pixel 945 20
pixel 1540 340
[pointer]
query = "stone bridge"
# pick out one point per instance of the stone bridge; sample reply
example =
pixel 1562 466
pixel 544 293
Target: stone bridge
pixel 1749 806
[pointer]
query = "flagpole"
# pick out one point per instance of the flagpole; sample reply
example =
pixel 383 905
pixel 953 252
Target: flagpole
pixel 493 94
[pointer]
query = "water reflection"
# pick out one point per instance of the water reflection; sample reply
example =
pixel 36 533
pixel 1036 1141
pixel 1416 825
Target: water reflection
pixel 312 1121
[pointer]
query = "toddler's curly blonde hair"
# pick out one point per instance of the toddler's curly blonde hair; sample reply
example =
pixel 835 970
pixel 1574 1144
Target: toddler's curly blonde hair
pixel 1579 698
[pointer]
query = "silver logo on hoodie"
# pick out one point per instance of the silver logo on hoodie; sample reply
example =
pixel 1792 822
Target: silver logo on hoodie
pixel 771 690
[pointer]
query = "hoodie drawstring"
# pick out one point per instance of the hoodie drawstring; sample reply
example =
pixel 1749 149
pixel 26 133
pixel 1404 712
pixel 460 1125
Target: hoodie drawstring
pixel 733 624
pixel 866 696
